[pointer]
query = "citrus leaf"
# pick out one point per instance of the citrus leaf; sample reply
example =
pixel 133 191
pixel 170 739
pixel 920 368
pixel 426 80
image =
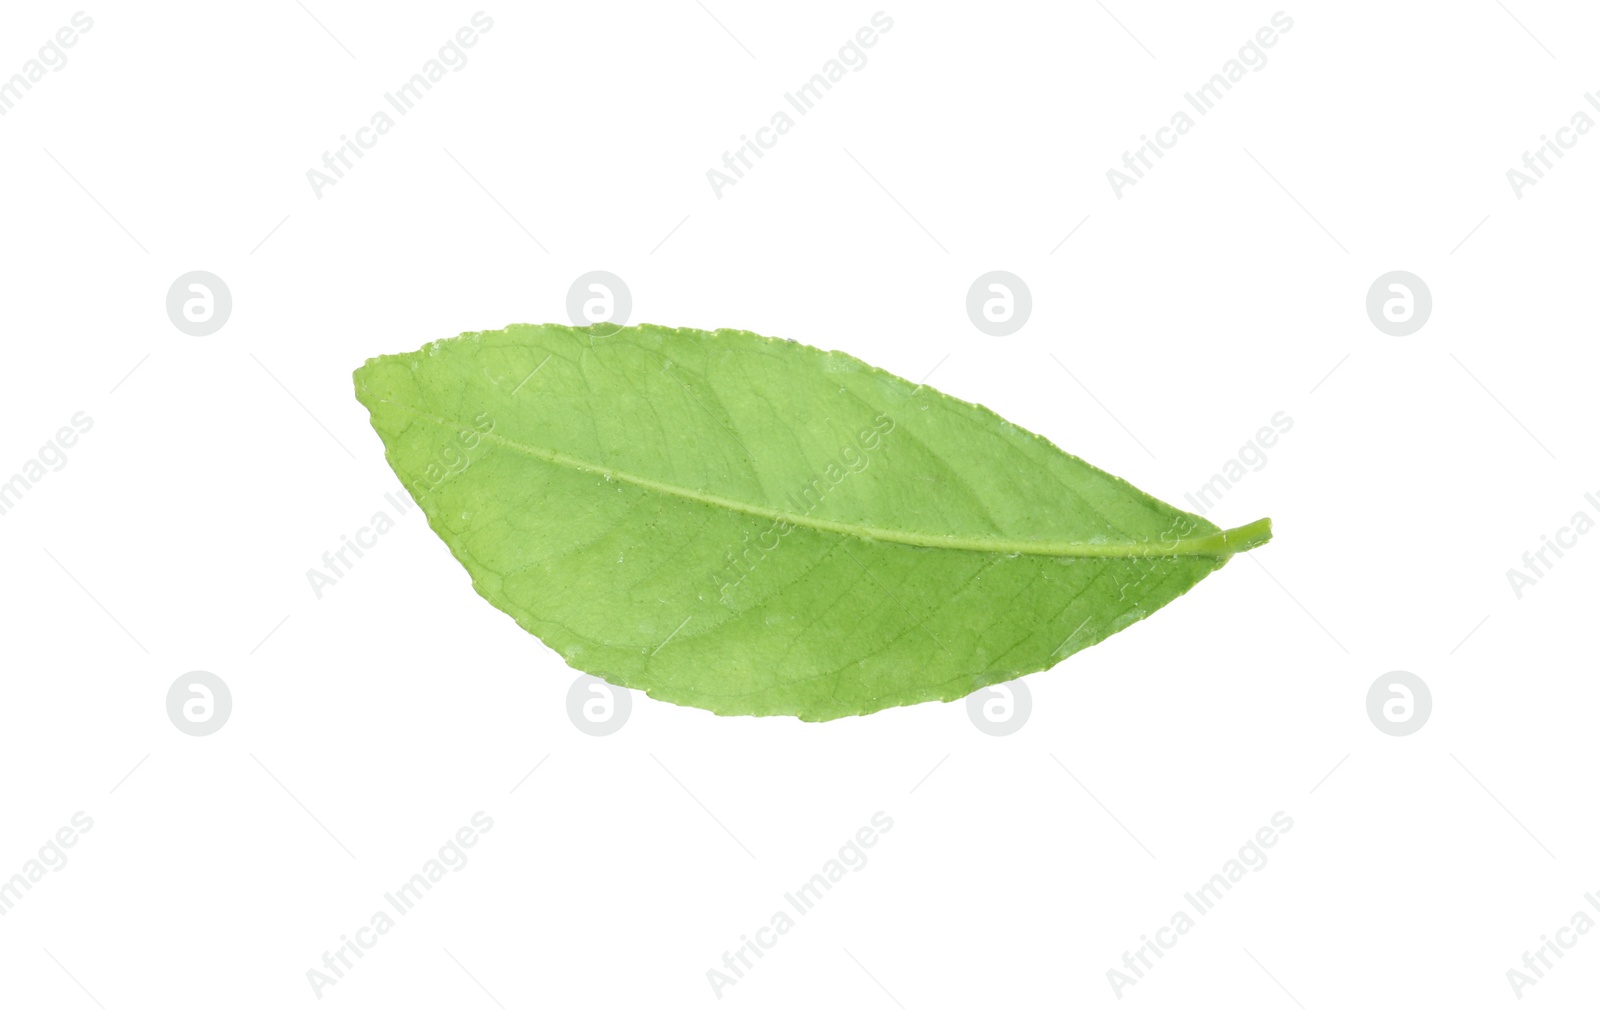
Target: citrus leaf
pixel 754 526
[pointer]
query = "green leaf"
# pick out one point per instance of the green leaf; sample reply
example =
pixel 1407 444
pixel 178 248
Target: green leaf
pixel 758 527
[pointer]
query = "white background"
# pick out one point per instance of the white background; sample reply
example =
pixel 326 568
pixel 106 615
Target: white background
pixel 372 723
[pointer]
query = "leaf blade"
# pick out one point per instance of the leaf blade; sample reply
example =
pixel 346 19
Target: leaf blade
pixel 909 518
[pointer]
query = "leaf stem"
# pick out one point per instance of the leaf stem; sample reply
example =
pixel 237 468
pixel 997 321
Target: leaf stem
pixel 1235 541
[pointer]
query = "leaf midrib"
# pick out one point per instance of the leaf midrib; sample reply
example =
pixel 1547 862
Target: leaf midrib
pixel 1219 544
